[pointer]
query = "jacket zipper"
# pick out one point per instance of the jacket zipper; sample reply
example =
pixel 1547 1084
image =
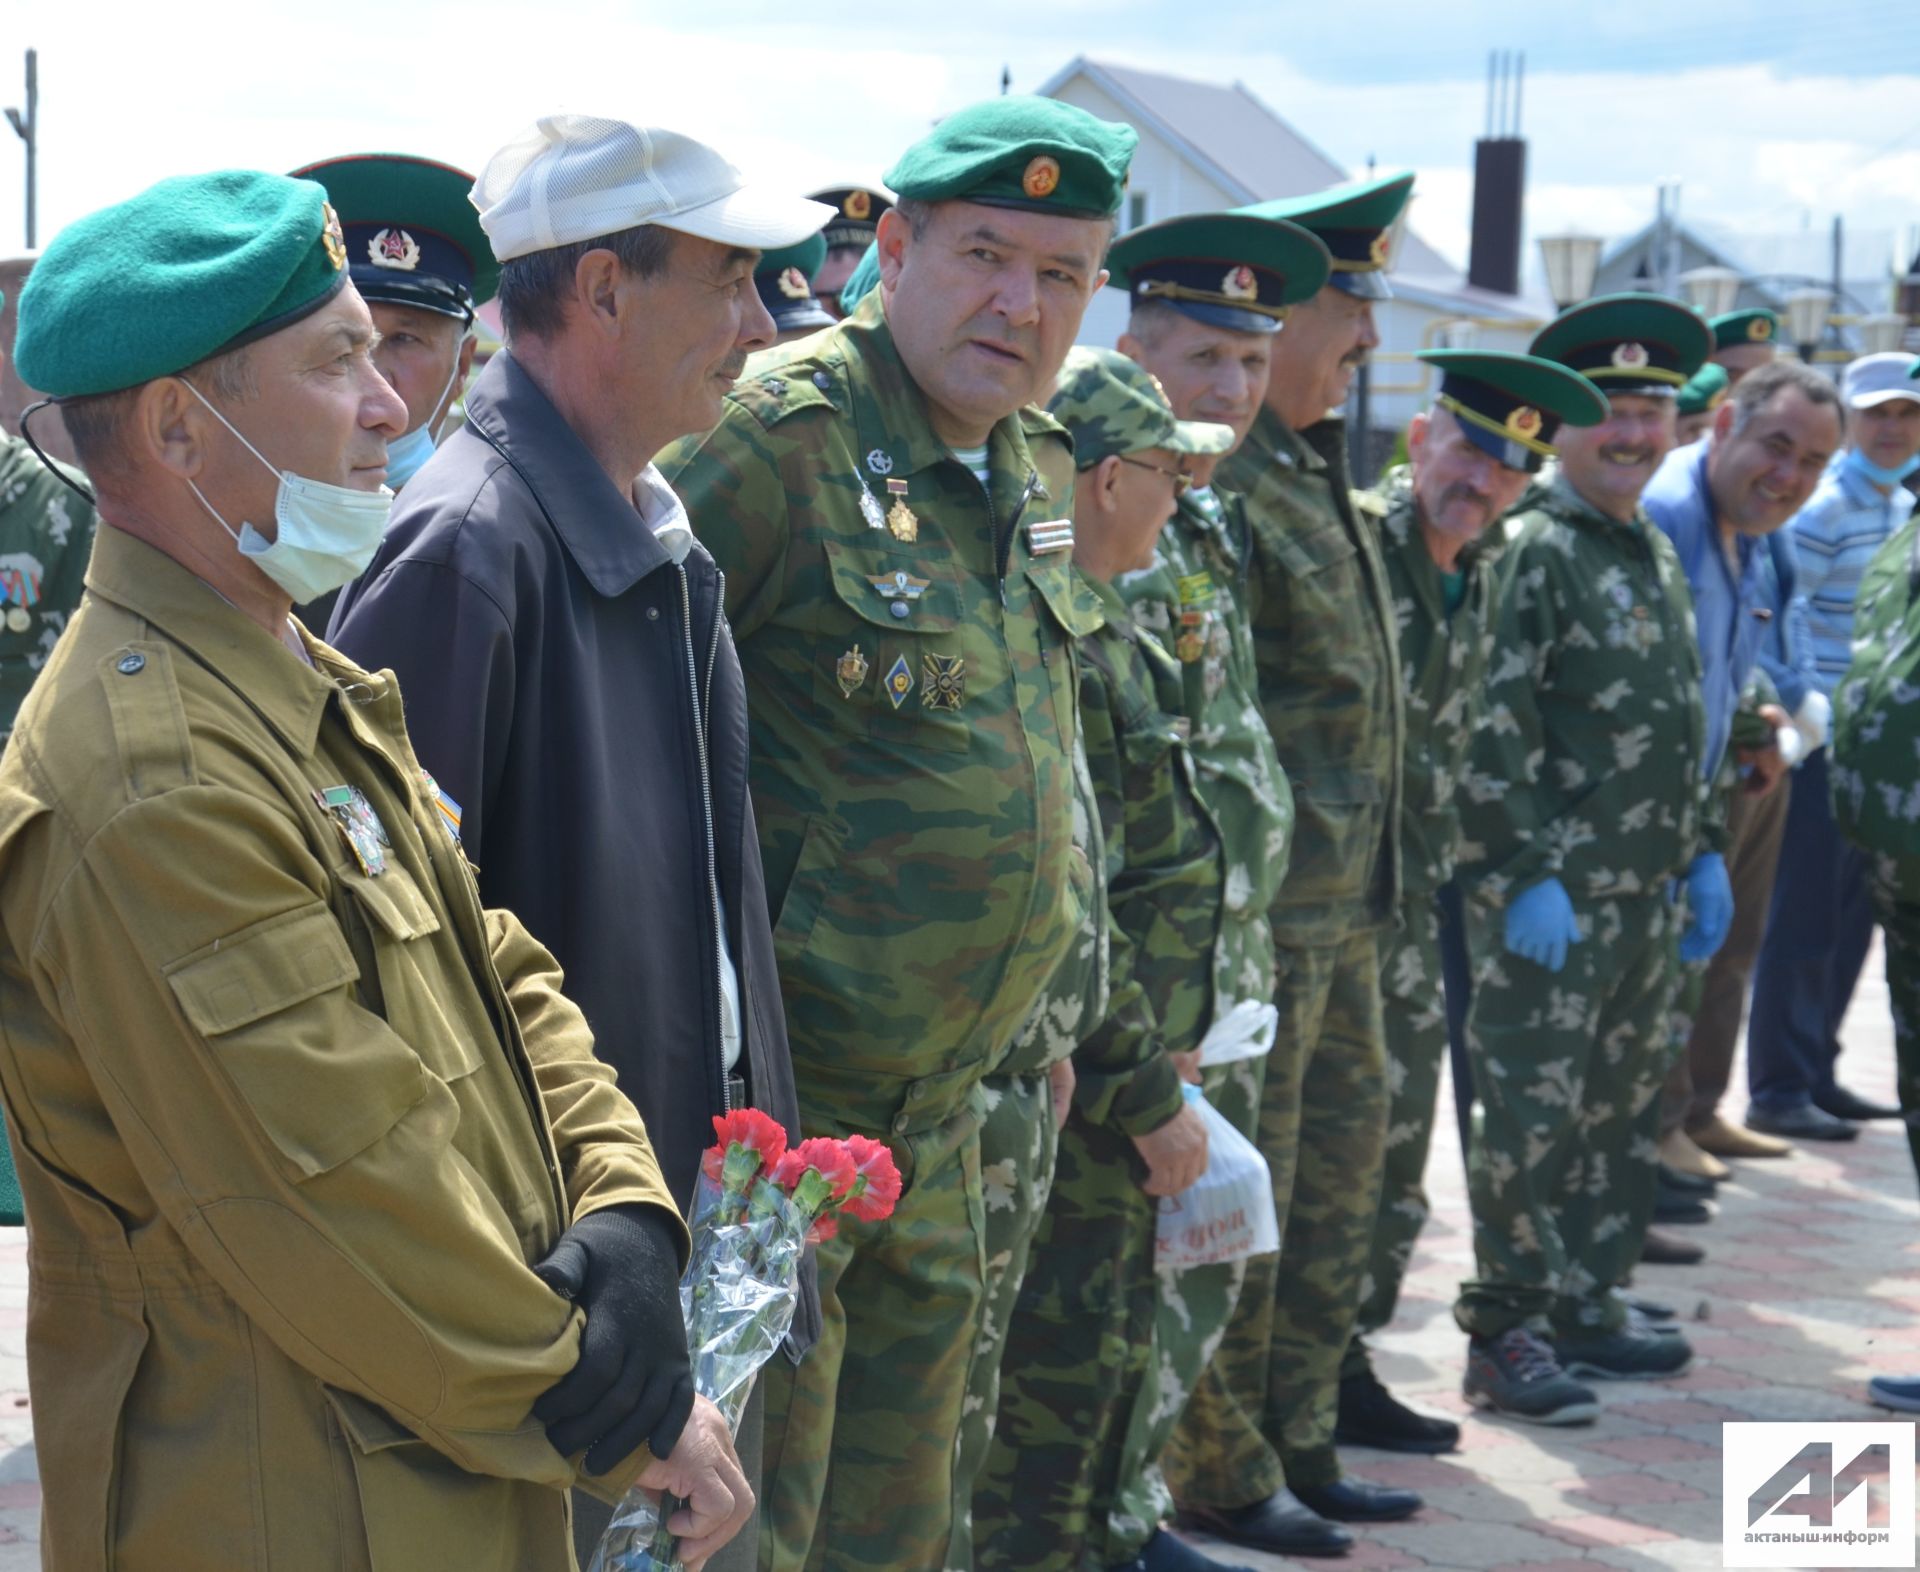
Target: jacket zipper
pixel 706 804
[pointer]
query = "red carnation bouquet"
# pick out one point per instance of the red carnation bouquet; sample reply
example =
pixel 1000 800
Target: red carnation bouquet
pixel 758 1205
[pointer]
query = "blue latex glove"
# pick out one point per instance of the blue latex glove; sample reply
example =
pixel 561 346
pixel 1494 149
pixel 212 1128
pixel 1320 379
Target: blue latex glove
pixel 1541 924
pixel 1709 908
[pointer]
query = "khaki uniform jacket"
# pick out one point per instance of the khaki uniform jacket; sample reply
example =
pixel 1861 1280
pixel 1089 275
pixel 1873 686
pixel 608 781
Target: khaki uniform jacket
pixel 289 1135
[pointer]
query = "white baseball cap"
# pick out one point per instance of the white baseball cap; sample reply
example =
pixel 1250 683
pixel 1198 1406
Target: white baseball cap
pixel 575 177
pixel 1873 379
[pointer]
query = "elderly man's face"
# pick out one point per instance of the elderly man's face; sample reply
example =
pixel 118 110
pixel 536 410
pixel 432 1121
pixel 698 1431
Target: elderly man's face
pixel 984 305
pixel 1208 373
pixel 1460 487
pixel 417 353
pixel 1888 433
pixel 686 332
pixel 1611 463
pixel 319 409
pixel 1325 341
pixel 1762 474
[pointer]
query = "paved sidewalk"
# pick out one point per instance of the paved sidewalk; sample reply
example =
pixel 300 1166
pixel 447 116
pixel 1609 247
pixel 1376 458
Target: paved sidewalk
pixel 1812 1284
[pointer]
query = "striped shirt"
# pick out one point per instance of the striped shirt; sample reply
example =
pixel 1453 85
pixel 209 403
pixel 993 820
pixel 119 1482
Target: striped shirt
pixel 1835 536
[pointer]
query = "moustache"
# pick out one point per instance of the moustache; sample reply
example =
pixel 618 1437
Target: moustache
pixel 733 365
pixel 1467 495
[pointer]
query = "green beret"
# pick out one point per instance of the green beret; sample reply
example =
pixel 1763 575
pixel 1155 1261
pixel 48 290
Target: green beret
pixel 1704 391
pixel 862 281
pixel 1756 325
pixel 1017 151
pixel 1628 343
pixel 190 267
pixel 1112 404
pixel 1510 406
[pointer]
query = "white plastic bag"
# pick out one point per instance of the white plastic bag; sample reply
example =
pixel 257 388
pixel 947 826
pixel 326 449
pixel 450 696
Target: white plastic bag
pixel 1244 1032
pixel 1228 1215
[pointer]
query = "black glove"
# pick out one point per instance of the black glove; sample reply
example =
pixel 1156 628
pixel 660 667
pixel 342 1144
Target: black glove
pixel 632 1381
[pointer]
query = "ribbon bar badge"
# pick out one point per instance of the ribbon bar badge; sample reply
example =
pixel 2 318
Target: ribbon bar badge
pixel 1045 535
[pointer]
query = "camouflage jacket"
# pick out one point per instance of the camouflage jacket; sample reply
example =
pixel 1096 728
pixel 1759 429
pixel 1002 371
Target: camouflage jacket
pixel 1328 676
pixel 1443 670
pixel 46 538
pixel 1194 602
pixel 912 709
pixel 1587 763
pixel 1163 876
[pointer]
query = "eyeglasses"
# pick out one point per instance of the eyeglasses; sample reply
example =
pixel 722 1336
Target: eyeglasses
pixel 1180 478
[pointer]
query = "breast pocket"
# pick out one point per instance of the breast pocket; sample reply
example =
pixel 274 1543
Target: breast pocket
pixel 1325 596
pixel 895 659
pixel 398 924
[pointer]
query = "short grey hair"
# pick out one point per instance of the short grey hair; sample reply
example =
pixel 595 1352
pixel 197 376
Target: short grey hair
pixel 96 424
pixel 534 288
pixel 1753 392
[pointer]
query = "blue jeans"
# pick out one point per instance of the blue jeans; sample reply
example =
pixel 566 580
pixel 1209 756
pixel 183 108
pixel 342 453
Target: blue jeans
pixel 1819 927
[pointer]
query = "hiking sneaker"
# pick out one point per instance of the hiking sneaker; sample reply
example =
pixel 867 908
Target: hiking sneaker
pixel 1516 1374
pixel 1631 1353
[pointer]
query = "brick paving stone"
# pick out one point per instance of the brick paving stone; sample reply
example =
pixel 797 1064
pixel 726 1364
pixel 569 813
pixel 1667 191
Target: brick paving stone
pixel 1596 1529
pixel 1642 1450
pixel 1619 1490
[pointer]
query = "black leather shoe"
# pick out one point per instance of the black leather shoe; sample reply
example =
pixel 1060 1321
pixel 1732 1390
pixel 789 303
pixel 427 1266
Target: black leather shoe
pixel 1350 1500
pixel 1688 1184
pixel 1370 1415
pixel 1170 1553
pixel 1805 1123
pixel 1843 1104
pixel 1279 1524
pixel 1660 1249
pixel 1677 1206
pixel 1652 1309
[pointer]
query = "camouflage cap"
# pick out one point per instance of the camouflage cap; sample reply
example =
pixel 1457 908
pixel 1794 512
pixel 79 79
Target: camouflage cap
pixel 1112 405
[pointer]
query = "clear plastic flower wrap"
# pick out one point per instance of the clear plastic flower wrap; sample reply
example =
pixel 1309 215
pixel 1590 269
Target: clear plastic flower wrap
pixel 756 1208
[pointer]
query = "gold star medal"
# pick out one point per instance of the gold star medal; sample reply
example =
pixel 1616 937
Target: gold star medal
pixel 900 518
pixel 943 681
pixel 850 671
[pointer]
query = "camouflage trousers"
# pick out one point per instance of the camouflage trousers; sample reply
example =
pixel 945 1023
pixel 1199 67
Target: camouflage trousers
pixel 860 1436
pixel 1413 1009
pixel 1262 1415
pixel 1077 1348
pixel 1019 1160
pixel 1191 1314
pixel 1900 924
pixel 1568 1066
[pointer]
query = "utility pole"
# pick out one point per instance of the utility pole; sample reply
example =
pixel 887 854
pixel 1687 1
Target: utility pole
pixel 27 128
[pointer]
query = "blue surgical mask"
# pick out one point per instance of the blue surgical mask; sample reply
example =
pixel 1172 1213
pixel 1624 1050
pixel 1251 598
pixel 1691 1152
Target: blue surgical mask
pixel 326 534
pixel 1880 474
pixel 405 457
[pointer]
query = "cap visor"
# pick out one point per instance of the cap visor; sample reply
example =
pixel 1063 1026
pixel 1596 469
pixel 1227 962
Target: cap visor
pixel 1364 286
pixel 1200 437
pixel 752 216
pixel 1880 396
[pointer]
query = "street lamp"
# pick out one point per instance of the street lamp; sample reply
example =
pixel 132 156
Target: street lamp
pixel 1711 291
pixel 1807 317
pixel 1880 332
pixel 1571 262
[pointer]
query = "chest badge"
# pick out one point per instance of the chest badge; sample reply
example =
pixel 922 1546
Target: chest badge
pixel 359 826
pixel 1045 535
pixel 870 506
pixel 18 619
pixel 944 681
pixel 850 671
pixel 899 681
pixel 881 463
pixel 448 808
pixel 901 519
pixel 1191 643
pixel 901 587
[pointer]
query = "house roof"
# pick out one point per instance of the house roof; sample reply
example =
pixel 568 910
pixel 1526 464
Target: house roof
pixel 1771 264
pixel 1246 148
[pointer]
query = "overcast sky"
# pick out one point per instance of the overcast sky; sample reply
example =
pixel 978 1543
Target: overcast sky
pixel 1773 113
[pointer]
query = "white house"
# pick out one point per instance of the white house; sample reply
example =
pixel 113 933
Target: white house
pixel 1204 147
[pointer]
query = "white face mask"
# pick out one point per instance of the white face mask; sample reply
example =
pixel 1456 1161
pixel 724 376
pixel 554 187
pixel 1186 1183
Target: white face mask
pixel 327 534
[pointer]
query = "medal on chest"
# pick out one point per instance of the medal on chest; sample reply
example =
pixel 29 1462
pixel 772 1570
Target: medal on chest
pixel 901 521
pixel 359 826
